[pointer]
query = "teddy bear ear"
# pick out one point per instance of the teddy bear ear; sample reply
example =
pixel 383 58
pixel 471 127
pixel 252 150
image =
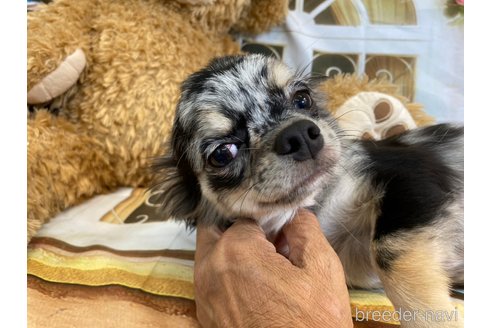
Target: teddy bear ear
pixel 177 188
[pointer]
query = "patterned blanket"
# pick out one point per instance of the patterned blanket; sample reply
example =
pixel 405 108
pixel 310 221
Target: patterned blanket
pixel 113 260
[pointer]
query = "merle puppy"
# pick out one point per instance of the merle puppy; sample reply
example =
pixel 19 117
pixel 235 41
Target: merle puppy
pixel 252 139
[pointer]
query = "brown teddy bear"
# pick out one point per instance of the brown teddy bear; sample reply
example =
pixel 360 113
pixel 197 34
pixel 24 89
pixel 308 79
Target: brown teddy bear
pixel 103 79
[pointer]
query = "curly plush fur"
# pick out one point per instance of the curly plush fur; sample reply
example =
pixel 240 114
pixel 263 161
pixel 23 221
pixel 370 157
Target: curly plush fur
pixel 119 112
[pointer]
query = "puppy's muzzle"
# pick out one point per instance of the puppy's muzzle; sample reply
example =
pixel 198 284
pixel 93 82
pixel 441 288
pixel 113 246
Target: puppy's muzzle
pixel 302 140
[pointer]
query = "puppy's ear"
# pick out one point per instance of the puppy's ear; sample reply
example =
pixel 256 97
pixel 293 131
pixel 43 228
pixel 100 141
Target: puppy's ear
pixel 178 189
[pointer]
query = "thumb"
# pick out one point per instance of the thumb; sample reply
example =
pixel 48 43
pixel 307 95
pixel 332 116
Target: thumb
pixel 206 238
pixel 307 243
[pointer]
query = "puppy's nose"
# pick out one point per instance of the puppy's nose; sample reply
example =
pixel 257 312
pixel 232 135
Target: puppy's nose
pixel 302 140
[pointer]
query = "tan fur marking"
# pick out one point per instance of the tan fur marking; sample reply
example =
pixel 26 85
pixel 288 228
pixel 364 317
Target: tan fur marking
pixel 416 281
pixel 280 74
pixel 216 123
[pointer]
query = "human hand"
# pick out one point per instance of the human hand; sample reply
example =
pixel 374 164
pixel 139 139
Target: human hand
pixel 241 280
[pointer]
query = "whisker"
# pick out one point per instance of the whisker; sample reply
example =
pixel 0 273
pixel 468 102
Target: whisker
pixel 347 112
pixel 246 195
pixel 344 226
pixel 249 149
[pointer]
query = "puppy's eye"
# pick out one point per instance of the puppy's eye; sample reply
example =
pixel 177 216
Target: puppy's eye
pixel 223 155
pixel 302 100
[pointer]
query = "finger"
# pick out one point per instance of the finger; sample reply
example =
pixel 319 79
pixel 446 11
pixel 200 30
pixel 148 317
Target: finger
pixel 281 244
pixel 305 239
pixel 206 238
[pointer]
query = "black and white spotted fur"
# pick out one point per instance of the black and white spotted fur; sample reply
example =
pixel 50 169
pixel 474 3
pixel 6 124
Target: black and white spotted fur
pixel 382 204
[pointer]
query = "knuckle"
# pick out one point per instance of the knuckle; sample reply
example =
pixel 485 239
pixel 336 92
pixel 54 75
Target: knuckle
pixel 223 259
pixel 201 279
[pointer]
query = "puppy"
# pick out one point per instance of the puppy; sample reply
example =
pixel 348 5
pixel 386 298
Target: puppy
pixel 252 138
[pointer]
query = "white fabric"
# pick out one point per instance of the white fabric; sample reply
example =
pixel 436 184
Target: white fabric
pixel 81 226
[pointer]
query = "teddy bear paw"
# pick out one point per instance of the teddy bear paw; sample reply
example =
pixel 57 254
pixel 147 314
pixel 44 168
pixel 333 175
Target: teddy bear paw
pixel 373 116
pixel 59 81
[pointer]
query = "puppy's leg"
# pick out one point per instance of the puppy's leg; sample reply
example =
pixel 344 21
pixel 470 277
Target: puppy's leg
pixel 411 269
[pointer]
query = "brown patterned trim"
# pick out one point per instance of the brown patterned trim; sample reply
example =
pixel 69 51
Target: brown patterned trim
pixel 110 276
pixel 167 304
pixel 372 324
pixel 175 253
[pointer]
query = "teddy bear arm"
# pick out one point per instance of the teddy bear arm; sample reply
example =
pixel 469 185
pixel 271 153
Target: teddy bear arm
pixel 261 16
pixel 221 17
pixel 64 167
pixel 58 35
